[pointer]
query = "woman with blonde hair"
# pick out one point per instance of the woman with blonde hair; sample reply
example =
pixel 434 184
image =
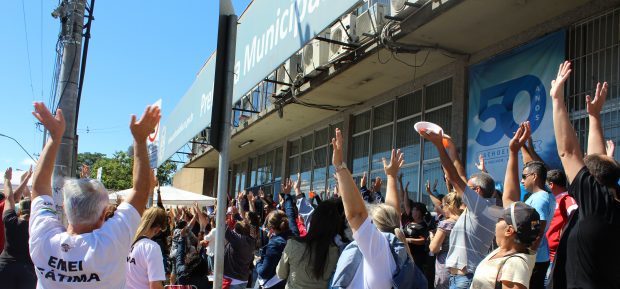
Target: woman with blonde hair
pixel 378 258
pixel 440 242
pixel 145 263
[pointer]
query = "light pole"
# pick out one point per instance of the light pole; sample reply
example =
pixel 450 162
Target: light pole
pixel 20 145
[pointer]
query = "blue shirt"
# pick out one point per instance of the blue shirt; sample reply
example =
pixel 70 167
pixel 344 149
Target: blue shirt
pixel 544 203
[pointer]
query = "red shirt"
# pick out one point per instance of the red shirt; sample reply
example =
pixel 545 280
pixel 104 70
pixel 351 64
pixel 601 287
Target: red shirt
pixel 1 227
pixel 564 205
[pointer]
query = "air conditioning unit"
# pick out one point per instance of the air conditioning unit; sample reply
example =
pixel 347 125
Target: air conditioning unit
pixel 404 7
pixel 287 73
pixel 437 3
pixel 371 21
pixel 315 56
pixel 342 31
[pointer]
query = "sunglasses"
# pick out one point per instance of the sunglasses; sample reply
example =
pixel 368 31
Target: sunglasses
pixel 524 176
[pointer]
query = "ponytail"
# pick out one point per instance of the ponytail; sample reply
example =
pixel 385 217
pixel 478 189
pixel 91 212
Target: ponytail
pixel 401 236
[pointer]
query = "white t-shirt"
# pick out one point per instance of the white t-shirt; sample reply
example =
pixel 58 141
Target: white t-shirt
pixel 211 246
pixel 378 265
pixel 145 264
pixel 515 269
pixel 90 260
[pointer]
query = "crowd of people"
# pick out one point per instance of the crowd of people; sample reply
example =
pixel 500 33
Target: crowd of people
pixel 545 228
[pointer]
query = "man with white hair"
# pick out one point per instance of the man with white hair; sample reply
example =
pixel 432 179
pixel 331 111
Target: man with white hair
pixel 90 252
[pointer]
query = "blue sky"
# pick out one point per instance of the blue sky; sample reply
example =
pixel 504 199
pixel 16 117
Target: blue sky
pixel 139 51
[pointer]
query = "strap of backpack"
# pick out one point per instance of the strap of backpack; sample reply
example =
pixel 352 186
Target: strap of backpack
pixel 499 271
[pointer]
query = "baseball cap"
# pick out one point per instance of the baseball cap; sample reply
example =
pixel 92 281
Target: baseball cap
pixel 523 218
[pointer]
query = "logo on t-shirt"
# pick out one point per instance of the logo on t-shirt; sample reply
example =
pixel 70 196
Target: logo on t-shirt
pixel 66 247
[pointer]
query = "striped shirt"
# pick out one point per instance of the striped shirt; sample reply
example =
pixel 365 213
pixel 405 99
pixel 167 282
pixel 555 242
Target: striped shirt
pixel 472 235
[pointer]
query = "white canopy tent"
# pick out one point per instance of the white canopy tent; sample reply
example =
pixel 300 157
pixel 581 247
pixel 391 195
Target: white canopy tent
pixel 172 196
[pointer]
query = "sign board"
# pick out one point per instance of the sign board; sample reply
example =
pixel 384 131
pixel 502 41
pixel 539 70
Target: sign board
pixel 152 142
pixel 270 31
pixel 506 90
pixel 191 115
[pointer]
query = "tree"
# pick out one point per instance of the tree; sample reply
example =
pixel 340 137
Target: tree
pixel 88 159
pixel 165 172
pixel 117 171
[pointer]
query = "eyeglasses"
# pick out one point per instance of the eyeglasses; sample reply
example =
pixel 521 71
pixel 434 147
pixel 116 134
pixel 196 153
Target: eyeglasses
pixel 524 176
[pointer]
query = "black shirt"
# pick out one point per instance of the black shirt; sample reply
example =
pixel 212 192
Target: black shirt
pixel 588 253
pixel 419 252
pixel 16 239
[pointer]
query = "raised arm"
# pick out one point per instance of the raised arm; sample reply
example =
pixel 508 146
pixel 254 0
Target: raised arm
pixel 354 207
pixel 454 156
pixel 8 190
pixel 42 179
pixel 512 193
pixel 451 172
pixel 596 141
pixel 405 195
pixel 610 148
pixel 397 159
pixel 23 186
pixel 565 137
pixel 436 201
pixel 141 170
pixel 480 164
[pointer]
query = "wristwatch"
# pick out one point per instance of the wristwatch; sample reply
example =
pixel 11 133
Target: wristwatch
pixel 343 165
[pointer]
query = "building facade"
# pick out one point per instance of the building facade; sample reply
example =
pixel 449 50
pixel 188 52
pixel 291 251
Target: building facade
pixel 413 66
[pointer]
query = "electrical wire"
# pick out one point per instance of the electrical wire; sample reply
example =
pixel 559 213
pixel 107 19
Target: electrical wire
pixel 27 49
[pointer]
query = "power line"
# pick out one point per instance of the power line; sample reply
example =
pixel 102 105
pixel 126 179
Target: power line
pixel 27 49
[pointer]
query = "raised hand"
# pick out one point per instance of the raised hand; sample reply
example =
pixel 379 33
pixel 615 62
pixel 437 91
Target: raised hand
pixel 297 185
pixel 54 124
pixel 261 193
pixel 397 160
pixel 594 106
pixel 85 171
pixel 337 145
pixel 363 180
pixel 287 186
pixel 434 138
pixel 377 185
pixel 557 85
pixel 480 164
pixel 520 137
pixel 8 174
pixel 146 125
pixel 251 197
pixel 435 185
pixel 610 147
pixel 428 186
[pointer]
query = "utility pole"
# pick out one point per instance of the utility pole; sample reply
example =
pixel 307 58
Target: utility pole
pixel 71 15
pixel 221 119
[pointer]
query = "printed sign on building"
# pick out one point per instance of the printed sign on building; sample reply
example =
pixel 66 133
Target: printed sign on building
pixel 506 90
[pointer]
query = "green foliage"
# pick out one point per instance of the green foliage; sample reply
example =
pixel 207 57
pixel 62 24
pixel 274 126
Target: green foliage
pixel 165 172
pixel 117 171
pixel 88 159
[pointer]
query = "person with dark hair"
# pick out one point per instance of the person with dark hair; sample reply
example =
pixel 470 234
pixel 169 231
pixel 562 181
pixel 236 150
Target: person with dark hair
pixel 417 232
pixel 238 255
pixel 516 232
pixel 191 266
pixel 588 250
pixel 16 267
pixel 565 206
pixel 309 261
pixel 472 236
pixel 533 179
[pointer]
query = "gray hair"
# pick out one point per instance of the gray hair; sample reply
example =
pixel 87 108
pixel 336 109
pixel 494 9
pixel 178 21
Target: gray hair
pixel 485 182
pixel 85 200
